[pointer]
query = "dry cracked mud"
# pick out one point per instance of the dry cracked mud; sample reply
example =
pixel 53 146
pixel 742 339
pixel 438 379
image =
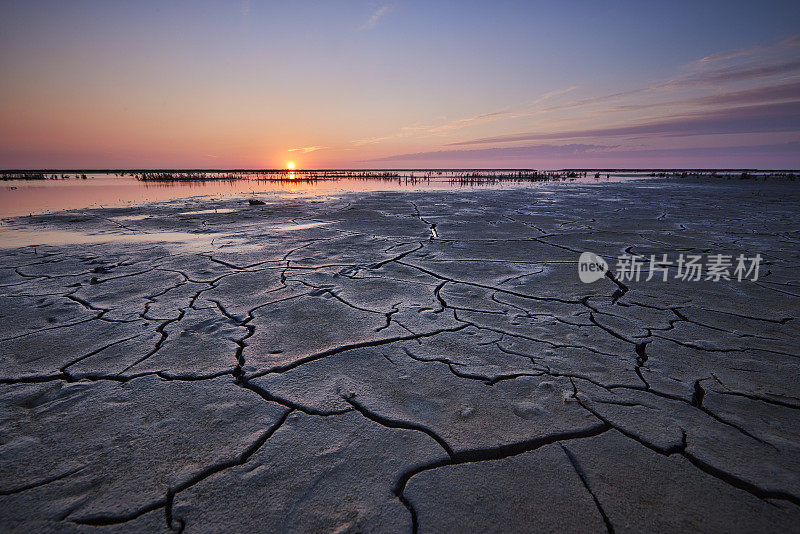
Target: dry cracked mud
pixel 403 361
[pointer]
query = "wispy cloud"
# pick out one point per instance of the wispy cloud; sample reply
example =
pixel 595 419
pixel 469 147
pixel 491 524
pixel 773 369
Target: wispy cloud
pixel 376 16
pixel 705 74
pixel 505 152
pixel 738 73
pixel 743 64
pixel 578 155
pixel 459 124
pixel 769 75
pixel 782 117
pixel 526 110
pixel 791 42
pixel 756 95
pixel 715 70
pixel 405 131
pixel 307 149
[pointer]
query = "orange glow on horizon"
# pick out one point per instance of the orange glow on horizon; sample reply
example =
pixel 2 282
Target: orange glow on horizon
pixel 290 165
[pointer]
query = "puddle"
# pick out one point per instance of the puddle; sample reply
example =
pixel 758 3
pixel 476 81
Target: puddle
pixel 290 227
pixel 130 217
pixel 14 238
pixel 203 212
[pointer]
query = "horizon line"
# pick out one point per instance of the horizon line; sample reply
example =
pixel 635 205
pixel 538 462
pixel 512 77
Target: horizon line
pixel 396 169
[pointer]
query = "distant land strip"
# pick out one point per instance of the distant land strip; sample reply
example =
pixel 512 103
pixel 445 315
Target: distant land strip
pixel 443 170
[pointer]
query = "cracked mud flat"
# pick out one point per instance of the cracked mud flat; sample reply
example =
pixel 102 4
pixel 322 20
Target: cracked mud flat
pixel 405 361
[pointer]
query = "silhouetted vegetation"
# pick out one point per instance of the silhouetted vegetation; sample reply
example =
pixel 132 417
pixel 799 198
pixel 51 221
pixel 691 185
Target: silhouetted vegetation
pixel 730 174
pixel 25 176
pixel 400 176
pixel 36 175
pixel 185 177
pixel 491 177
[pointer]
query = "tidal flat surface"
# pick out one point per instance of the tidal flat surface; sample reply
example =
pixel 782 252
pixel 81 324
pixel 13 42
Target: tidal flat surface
pixel 402 361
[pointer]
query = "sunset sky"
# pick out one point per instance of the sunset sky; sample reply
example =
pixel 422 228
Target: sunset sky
pixel 205 84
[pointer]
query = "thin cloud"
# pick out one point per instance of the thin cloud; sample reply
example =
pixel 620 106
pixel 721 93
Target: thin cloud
pixel 713 77
pixel 744 64
pixel 405 131
pixel 576 155
pixel 755 50
pixel 459 124
pixel 738 73
pixel 761 63
pixel 756 95
pixel 376 16
pixel 504 114
pixel 782 117
pixel 506 152
pixel 307 149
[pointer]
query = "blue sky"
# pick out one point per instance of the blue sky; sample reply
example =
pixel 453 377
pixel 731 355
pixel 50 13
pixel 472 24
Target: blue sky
pixel 392 84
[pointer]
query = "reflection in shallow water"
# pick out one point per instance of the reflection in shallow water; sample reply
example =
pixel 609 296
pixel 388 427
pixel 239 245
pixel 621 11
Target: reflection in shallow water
pixel 19 197
pixel 305 226
pixel 204 241
pixel 130 217
pixel 203 212
pixel 195 242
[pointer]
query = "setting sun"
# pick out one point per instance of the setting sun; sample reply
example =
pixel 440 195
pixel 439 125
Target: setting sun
pixel 290 165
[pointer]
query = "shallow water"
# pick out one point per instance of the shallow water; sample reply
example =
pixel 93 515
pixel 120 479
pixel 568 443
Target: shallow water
pixel 14 234
pixel 204 212
pixel 16 237
pixel 24 197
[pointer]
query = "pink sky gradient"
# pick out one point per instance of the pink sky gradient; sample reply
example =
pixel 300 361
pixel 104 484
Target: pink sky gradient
pixel 208 84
